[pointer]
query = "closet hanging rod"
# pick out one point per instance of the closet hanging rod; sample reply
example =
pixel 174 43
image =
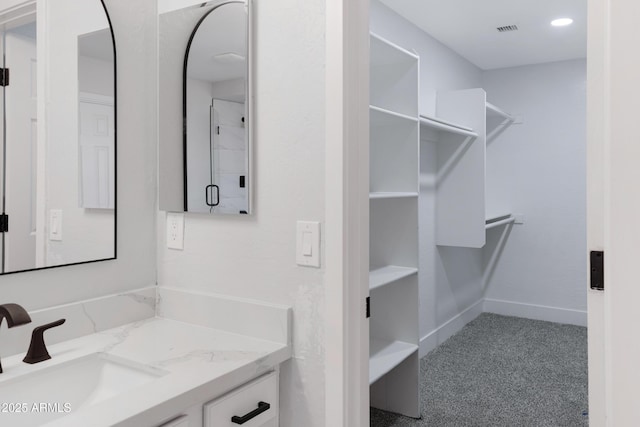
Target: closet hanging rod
pixel 492 110
pixel 509 219
pixel 439 124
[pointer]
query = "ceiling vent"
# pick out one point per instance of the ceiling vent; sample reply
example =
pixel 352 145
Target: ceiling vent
pixel 507 28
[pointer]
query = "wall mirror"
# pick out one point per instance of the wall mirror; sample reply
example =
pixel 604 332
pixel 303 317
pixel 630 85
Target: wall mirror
pixel 58 179
pixel 208 46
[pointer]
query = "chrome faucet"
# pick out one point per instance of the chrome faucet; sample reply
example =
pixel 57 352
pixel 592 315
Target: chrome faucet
pixel 15 315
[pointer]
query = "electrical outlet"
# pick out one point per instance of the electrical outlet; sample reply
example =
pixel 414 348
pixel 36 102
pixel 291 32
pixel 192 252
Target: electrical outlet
pixel 175 231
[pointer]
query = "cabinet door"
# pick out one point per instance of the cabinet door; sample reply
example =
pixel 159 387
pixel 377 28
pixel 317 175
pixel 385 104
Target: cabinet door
pixel 252 405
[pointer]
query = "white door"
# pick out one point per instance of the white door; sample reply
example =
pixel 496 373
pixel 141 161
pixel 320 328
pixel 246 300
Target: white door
pixel 97 152
pixel 614 210
pixel 21 142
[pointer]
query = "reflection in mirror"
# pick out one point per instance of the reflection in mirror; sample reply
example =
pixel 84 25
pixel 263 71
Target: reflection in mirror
pixel 59 142
pixel 216 132
pixel 205 123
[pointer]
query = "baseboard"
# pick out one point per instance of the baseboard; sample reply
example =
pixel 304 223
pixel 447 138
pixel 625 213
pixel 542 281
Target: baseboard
pixel 536 312
pixel 450 327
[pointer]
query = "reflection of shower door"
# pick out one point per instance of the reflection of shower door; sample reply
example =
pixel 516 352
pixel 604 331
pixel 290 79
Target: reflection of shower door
pixel 229 156
pixel 21 134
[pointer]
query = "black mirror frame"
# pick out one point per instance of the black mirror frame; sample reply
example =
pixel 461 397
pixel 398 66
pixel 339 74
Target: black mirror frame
pixel 249 97
pixel 115 167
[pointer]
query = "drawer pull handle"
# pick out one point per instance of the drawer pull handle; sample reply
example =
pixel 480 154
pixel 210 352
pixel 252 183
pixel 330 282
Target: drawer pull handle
pixel 262 407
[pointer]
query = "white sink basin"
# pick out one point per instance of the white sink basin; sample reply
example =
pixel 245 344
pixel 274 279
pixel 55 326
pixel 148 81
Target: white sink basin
pixel 54 392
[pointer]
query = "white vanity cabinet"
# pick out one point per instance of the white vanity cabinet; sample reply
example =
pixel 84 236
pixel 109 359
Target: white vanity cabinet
pixel 181 421
pixel 254 404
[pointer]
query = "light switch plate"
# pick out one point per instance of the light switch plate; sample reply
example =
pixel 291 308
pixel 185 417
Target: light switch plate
pixel 308 243
pixel 55 225
pixel 175 231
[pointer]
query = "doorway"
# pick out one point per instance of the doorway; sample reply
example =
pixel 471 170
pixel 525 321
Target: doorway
pixel 501 199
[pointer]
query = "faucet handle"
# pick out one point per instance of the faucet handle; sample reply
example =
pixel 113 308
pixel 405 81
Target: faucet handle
pixel 37 349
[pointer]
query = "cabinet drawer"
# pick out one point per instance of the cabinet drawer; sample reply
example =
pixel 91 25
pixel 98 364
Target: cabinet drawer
pixel 182 421
pixel 252 405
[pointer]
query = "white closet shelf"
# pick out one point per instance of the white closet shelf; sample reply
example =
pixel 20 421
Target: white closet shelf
pixel 386 355
pixel 497 221
pixel 443 125
pixel 384 52
pixel 389 274
pixel 392 195
pixel 383 117
pixel 493 111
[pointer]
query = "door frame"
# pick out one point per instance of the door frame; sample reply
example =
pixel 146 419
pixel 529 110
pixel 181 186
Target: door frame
pixel 614 93
pixel 597 129
pixel 346 192
pixel 347 213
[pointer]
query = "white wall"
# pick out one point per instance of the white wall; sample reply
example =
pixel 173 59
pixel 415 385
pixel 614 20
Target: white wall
pixel 253 256
pixel 450 278
pixel 95 76
pixel 539 168
pixel 134 26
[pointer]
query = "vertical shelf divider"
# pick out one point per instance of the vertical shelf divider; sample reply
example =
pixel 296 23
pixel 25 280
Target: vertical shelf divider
pixel 394 372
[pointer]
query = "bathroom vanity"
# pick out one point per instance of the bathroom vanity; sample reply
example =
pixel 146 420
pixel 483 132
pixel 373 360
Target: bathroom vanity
pixel 162 371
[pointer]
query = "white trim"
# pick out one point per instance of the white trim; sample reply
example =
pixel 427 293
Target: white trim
pixel 598 131
pixel 506 308
pixel 452 326
pixel 346 213
pixel 17 11
pixel 95 98
pixel 536 312
pixel 250 108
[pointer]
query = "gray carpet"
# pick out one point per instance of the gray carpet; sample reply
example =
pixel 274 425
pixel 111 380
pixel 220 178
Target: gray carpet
pixel 503 371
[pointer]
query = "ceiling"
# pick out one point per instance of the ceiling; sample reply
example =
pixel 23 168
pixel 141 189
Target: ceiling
pixel 469 28
pixel 221 33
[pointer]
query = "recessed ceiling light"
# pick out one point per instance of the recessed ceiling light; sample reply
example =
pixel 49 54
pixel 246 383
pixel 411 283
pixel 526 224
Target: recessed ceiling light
pixel 562 22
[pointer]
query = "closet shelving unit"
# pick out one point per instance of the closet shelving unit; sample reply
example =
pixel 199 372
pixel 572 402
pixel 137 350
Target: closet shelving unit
pixel 498 121
pixel 394 189
pixel 461 212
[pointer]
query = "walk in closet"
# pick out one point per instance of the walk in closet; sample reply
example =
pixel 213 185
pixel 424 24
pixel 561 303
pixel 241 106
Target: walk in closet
pixel 477 182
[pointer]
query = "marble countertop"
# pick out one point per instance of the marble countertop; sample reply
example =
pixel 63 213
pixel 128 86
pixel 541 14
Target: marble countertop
pixel 200 363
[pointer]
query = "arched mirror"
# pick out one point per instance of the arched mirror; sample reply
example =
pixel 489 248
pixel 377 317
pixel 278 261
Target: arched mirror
pixel 58 180
pixel 216 108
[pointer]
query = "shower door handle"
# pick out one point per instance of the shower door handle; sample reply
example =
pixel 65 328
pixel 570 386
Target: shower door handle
pixel 208 195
